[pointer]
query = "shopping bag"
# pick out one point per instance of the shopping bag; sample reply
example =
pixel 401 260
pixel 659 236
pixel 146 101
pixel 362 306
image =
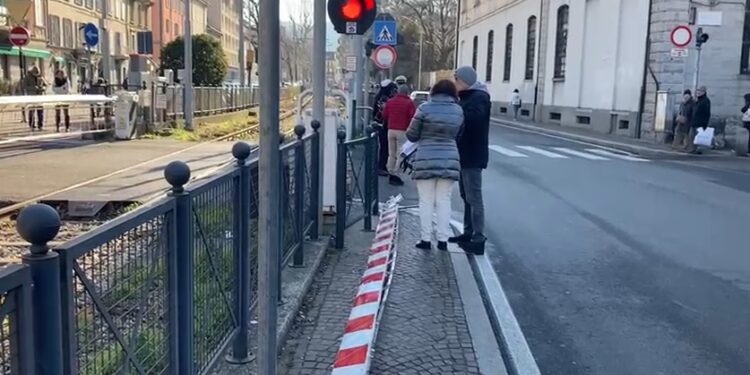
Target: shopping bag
pixel 704 137
pixel 408 148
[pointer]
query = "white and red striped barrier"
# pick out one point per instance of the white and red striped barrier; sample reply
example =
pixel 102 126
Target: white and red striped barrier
pixel 359 335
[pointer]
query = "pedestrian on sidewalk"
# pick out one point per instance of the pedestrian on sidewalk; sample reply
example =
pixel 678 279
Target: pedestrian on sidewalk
pixel 61 86
pixel 746 116
pixel 387 90
pixel 437 165
pixel 684 119
pixel 397 115
pixel 34 84
pixel 473 147
pixel 515 102
pixel 701 117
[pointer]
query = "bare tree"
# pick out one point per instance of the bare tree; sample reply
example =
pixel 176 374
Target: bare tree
pixel 250 19
pixel 296 44
pixel 437 18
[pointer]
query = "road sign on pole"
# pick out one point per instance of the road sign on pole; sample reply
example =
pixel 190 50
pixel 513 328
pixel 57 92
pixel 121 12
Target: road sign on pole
pixel 384 33
pixel 679 52
pixel 20 36
pixel 351 63
pixel 91 34
pixel 681 36
pixel 384 57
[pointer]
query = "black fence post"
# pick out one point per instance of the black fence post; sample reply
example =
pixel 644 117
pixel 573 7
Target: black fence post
pixel 367 204
pixel 299 195
pixel 241 241
pixel 340 189
pixel 38 224
pixel 315 203
pixel 373 171
pixel 177 175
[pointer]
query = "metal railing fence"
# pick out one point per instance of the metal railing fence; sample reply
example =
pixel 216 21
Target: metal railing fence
pixel 164 289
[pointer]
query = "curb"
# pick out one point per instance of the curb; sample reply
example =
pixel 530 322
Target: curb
pixel 288 321
pixel 634 149
pixel 355 351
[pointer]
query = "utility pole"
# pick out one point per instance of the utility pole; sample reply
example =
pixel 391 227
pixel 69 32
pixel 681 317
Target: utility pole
pixel 187 91
pixel 106 68
pixel 268 181
pixel 243 54
pixel 319 85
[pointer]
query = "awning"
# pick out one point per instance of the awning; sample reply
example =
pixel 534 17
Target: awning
pixel 27 52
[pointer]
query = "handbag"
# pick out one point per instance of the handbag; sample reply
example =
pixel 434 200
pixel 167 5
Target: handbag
pixel 704 137
pixel 681 119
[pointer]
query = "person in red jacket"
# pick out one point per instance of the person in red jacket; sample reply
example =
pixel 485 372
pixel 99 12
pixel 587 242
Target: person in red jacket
pixel 397 116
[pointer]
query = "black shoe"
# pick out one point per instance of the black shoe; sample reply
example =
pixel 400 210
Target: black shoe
pixel 424 245
pixel 442 245
pixel 395 181
pixel 383 173
pixel 461 238
pixel 473 247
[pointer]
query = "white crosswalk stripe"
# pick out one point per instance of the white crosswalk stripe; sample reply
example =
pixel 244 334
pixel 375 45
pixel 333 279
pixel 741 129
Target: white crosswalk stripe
pixel 507 152
pixel 542 152
pixel 580 154
pixel 614 155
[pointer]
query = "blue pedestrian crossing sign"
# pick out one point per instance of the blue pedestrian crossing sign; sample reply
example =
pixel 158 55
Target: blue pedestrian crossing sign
pixel 91 34
pixel 384 33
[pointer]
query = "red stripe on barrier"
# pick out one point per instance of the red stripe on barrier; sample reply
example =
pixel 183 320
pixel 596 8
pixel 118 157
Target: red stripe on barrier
pixel 383 237
pixel 385 228
pixel 374 277
pixel 365 298
pixel 377 262
pixel 351 356
pixel 359 324
pixel 380 249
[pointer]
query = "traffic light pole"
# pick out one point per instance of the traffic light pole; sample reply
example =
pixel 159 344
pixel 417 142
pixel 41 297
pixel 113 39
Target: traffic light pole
pixel 319 87
pixel 187 88
pixel 697 73
pixel 359 51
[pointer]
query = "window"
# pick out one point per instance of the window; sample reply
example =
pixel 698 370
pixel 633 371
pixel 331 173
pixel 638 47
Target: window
pixel 90 4
pixel 474 53
pixel 745 57
pixel 530 48
pixel 169 27
pixel 176 29
pixel 490 52
pixel 118 43
pixel 561 43
pixel 78 2
pixel 53 25
pixel 38 13
pixel 508 52
pixel 4 18
pixel 98 5
pixel 68 38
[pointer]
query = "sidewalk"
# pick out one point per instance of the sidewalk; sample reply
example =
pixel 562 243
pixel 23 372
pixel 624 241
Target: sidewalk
pixel 632 145
pixel 425 326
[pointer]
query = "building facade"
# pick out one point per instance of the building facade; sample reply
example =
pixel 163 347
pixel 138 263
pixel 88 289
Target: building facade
pixel 30 14
pixel 168 20
pixel 199 16
pixel 575 63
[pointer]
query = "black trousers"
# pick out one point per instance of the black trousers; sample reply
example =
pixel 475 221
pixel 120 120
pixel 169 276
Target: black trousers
pixel 383 150
pixel 62 113
pixel 39 116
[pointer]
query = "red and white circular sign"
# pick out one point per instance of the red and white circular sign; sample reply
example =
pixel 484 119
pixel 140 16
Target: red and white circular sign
pixel 681 36
pixel 384 57
pixel 20 36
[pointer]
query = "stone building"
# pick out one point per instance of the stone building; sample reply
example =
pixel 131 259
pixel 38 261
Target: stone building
pixel 30 14
pixel 602 64
pixel 224 24
pixel 168 20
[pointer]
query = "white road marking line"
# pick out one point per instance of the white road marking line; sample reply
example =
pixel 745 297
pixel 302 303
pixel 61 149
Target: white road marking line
pixel 580 154
pixel 542 152
pixel 614 155
pixel 507 152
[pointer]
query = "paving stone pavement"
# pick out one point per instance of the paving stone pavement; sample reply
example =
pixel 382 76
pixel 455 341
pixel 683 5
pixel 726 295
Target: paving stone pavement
pixel 423 328
pixel 315 337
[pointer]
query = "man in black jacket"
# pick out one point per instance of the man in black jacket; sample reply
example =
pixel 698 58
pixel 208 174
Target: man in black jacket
pixel 473 148
pixel 701 117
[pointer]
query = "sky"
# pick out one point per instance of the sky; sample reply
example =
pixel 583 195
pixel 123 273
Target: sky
pixel 289 7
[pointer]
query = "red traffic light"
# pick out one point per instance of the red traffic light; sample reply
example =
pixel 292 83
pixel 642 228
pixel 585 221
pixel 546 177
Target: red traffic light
pixel 352 10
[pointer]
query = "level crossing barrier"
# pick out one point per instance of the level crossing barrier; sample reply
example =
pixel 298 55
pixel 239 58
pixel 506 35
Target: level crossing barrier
pixel 164 289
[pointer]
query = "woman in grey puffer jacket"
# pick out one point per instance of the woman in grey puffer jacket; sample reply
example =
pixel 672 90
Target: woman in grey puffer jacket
pixel 437 167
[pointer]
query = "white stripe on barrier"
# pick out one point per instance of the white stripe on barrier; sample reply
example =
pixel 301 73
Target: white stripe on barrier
pixel 364 310
pixel 377 256
pixel 354 339
pixel 374 270
pixel 369 288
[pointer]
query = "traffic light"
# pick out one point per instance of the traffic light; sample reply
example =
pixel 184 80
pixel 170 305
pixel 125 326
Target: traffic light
pixel 353 17
pixel 700 37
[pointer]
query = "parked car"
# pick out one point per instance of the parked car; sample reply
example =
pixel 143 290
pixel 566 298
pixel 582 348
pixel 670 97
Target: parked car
pixel 420 97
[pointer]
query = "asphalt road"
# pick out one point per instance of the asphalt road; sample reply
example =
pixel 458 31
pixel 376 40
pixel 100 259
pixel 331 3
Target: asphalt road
pixel 617 266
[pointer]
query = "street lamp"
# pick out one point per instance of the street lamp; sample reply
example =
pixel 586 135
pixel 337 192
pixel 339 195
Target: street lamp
pixel 421 42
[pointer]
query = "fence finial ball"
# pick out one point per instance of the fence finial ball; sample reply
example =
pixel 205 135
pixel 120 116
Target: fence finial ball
pixel 315 124
pixel 38 224
pixel 299 130
pixel 177 173
pixel 341 134
pixel 241 150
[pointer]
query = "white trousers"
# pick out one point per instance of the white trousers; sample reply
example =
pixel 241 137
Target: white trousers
pixel 435 198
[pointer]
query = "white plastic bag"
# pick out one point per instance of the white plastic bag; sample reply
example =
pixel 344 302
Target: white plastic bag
pixel 704 137
pixel 408 148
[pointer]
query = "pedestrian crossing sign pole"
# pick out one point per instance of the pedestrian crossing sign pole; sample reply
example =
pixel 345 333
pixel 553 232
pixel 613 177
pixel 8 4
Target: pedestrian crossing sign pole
pixel 384 33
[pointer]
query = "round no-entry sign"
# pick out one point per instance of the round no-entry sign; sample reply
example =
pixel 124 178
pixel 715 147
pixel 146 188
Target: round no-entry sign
pixel 681 36
pixel 384 57
pixel 19 36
